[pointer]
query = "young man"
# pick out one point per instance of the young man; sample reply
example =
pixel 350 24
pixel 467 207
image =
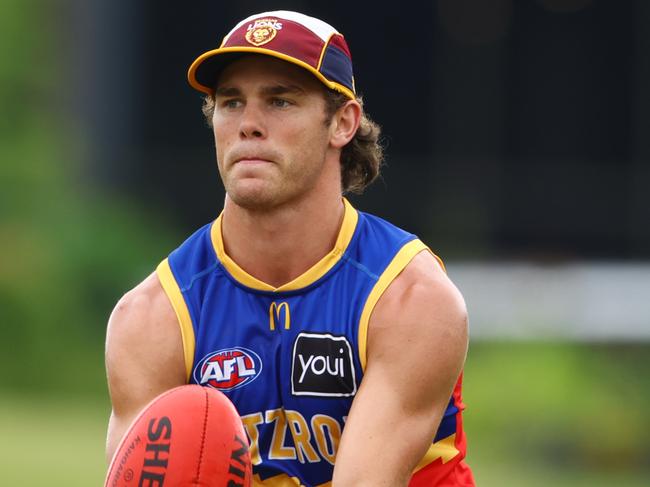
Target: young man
pixel 337 336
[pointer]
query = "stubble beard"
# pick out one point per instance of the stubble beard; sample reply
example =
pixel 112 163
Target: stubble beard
pixel 271 193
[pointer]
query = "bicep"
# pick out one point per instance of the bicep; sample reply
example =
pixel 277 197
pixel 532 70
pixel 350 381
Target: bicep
pixel 144 355
pixel 416 348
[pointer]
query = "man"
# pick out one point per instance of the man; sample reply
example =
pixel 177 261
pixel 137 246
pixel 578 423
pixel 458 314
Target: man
pixel 337 336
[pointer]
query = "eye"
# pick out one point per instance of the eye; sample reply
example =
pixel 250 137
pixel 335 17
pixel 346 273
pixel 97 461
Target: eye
pixel 231 103
pixel 280 103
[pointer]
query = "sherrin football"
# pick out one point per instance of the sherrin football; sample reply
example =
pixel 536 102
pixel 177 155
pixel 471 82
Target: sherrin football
pixel 188 436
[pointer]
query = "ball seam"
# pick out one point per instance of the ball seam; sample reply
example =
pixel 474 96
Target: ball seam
pixel 203 434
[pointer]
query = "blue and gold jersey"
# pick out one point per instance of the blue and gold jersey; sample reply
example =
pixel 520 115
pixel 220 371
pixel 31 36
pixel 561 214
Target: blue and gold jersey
pixel 291 358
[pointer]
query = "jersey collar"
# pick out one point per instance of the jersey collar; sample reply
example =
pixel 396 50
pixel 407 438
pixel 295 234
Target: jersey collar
pixel 318 270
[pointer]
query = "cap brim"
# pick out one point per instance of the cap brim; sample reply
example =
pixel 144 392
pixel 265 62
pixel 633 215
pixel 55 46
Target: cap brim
pixel 204 71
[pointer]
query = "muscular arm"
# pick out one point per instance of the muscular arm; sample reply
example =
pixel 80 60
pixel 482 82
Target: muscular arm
pixel 144 355
pixel 417 342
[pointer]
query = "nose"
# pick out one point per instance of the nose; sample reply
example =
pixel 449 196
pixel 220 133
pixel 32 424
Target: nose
pixel 251 124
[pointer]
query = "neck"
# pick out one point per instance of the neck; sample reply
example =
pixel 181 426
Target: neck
pixel 278 245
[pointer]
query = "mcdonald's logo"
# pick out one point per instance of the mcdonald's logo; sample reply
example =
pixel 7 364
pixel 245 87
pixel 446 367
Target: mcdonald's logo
pixel 279 313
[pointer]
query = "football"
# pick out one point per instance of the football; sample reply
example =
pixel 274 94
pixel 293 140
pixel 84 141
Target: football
pixel 187 436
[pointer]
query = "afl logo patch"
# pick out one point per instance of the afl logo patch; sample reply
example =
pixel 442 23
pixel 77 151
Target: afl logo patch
pixel 262 31
pixel 228 369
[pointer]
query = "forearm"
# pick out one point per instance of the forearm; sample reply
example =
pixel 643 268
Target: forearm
pixel 390 465
pixel 116 429
pixel 382 442
pixel 360 472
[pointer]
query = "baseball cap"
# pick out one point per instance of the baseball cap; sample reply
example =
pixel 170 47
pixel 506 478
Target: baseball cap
pixel 291 36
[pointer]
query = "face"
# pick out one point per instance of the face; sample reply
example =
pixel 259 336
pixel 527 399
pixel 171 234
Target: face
pixel 271 139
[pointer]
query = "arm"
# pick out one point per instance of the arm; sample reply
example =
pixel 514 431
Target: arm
pixel 417 342
pixel 144 355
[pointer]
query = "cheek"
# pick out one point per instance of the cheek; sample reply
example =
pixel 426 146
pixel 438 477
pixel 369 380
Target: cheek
pixel 217 128
pixel 309 131
pixel 221 140
pixel 222 125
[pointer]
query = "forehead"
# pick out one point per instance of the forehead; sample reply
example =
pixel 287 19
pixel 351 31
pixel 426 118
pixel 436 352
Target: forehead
pixel 259 69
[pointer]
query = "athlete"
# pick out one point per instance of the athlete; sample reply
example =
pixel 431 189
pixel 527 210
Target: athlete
pixel 338 336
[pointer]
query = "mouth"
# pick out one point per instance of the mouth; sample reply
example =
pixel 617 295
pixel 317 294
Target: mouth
pixel 251 157
pixel 252 160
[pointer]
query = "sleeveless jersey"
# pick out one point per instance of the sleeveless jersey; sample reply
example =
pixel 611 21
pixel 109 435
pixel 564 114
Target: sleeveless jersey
pixel 291 359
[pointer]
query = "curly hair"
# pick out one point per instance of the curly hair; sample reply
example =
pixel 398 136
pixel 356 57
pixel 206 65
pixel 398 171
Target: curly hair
pixel 361 158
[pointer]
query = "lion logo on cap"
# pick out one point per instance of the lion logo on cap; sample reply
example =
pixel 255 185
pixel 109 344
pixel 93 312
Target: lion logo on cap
pixel 262 31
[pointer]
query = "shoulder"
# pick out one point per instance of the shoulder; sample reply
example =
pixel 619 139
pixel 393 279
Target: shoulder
pixel 143 342
pixel 423 289
pixel 143 307
pixel 421 318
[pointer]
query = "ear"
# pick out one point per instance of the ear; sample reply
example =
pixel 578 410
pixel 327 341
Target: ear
pixel 345 124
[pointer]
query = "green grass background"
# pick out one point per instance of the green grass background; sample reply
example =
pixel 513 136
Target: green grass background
pixel 538 414
pixel 558 414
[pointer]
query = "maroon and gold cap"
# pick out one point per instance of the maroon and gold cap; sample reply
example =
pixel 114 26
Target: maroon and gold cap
pixel 294 37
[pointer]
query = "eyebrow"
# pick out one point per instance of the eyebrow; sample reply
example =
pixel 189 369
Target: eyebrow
pixel 282 89
pixel 226 91
pixel 279 89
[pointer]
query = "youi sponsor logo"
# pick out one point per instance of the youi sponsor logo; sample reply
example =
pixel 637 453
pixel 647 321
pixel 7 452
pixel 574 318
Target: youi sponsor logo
pixel 322 366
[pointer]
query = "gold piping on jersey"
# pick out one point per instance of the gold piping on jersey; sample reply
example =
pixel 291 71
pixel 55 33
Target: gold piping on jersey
pixel 175 296
pixel 442 264
pixel 318 270
pixel 397 265
pixel 444 449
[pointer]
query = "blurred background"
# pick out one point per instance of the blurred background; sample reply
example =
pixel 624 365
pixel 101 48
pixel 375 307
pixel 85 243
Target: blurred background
pixel 518 148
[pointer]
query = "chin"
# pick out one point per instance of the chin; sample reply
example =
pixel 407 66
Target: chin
pixel 259 194
pixel 261 201
pixel 253 198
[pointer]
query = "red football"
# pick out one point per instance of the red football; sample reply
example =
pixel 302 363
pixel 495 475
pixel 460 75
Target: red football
pixel 187 436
